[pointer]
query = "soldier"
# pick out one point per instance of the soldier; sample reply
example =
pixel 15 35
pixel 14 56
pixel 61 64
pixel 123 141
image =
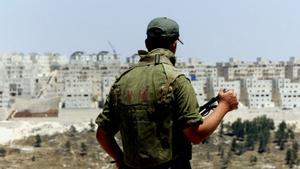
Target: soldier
pixel 155 109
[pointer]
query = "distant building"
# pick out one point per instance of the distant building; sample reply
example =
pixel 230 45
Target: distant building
pixel 261 69
pixel 75 84
pixel 199 85
pixel 134 59
pixel 293 69
pixel 287 93
pixel 21 75
pixel 87 79
pixel 84 80
pixel 216 83
pixel 256 93
pixel 4 87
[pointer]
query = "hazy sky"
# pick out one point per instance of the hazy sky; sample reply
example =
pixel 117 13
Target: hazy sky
pixel 211 30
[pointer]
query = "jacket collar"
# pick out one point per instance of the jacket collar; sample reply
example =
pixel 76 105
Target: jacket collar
pixel 156 56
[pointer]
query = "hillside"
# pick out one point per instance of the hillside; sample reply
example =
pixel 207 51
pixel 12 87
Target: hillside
pixel 80 150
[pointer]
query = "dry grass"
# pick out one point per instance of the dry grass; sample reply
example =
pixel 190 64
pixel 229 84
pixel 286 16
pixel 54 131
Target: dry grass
pixel 54 155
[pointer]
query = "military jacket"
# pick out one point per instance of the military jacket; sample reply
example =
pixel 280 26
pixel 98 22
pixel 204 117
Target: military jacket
pixel 150 104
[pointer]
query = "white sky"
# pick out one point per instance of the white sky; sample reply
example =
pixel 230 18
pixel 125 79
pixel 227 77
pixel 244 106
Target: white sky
pixel 211 30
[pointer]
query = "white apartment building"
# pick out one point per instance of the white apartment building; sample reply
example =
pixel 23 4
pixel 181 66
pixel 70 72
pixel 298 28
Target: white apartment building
pixel 261 69
pixel 194 68
pixel 287 93
pixel 199 88
pixel 110 67
pixel 21 74
pixel 78 95
pixel 41 62
pixel 87 79
pixel 134 59
pixel 4 87
pixel 216 83
pixel 256 93
pixel 78 85
pixel 293 69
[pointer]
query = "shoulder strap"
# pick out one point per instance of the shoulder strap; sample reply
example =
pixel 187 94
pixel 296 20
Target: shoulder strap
pixel 171 72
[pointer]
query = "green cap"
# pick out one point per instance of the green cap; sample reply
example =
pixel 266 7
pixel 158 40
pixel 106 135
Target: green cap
pixel 163 27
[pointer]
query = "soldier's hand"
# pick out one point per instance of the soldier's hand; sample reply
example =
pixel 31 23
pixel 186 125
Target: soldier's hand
pixel 229 99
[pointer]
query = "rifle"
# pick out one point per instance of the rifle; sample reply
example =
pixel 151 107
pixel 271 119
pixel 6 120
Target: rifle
pixel 207 107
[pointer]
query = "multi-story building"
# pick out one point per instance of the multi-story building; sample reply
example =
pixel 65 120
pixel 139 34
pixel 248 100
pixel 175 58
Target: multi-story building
pixel 42 64
pixel 4 87
pixel 216 83
pixel 261 69
pixel 134 59
pixel 87 79
pixel 256 93
pixel 194 68
pixel 75 84
pixel 199 88
pixel 286 93
pixel 21 74
pixel 293 69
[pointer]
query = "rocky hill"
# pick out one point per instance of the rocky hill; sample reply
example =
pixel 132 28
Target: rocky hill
pixel 80 150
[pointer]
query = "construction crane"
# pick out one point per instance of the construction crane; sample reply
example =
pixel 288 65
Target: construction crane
pixel 113 49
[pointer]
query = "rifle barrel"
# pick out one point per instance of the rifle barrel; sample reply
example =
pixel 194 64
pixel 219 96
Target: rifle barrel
pixel 211 101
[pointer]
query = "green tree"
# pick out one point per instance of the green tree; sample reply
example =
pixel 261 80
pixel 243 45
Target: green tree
pixel 38 141
pixel 2 152
pixel 291 133
pixel 238 128
pixel 237 147
pixel 250 142
pixel 92 126
pixel 295 148
pixel 281 135
pixel 257 130
pixel 72 131
pixel 233 145
pixel 67 147
pixel 295 145
pixel 83 149
pixel 253 159
pixel 289 158
pixel 263 137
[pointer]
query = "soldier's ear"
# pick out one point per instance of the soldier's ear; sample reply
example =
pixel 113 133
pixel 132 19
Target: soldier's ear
pixel 173 47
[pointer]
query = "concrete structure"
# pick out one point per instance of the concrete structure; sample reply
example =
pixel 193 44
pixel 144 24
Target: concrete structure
pixel 199 87
pixel 75 84
pixel 261 69
pixel 256 93
pixel 4 87
pixel 21 75
pixel 84 81
pixel 293 69
pixel 216 83
pixel 287 93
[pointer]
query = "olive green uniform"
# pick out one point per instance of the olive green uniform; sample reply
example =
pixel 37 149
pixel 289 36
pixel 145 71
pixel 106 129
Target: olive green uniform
pixel 151 104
